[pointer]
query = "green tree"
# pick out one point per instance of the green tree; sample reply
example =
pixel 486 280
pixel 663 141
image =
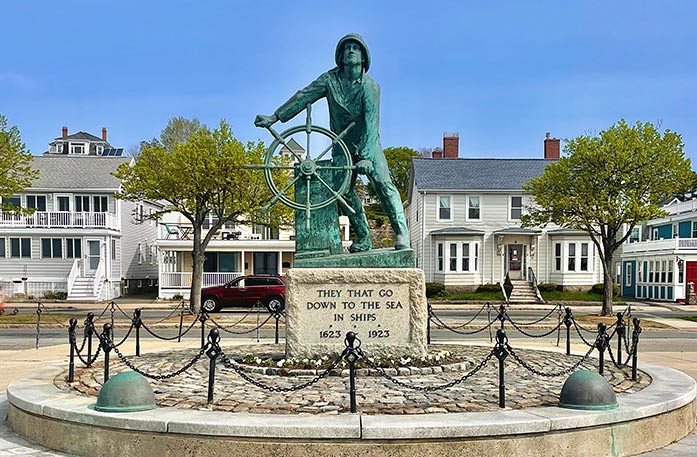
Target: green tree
pixel 203 175
pixel 399 162
pixel 178 130
pixel 607 182
pixel 16 173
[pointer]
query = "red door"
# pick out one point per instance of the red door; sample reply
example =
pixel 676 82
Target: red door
pixel 690 273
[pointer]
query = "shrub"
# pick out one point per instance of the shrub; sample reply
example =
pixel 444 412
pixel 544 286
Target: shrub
pixel 599 288
pixel 548 287
pixel 55 295
pixel 435 289
pixel 489 288
pixel 177 297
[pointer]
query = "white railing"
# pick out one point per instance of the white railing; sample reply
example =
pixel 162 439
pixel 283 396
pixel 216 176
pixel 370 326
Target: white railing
pixel 687 243
pixel 674 244
pixel 74 272
pixel 98 278
pixel 59 219
pixel 682 207
pixel 182 280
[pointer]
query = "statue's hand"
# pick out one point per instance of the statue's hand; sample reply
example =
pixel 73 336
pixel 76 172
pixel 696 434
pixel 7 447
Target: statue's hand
pixel 265 121
pixel 364 167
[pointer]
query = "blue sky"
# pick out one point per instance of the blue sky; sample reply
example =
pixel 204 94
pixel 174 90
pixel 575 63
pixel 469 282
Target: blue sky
pixel 500 74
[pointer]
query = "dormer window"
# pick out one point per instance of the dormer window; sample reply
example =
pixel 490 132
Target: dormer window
pixel 77 148
pixel 59 148
pixel 100 149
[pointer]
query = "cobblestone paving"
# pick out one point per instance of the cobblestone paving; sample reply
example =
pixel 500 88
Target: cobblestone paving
pixel 375 394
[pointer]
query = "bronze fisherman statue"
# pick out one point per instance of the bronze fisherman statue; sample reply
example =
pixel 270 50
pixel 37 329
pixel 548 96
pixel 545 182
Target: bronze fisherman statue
pixel 353 96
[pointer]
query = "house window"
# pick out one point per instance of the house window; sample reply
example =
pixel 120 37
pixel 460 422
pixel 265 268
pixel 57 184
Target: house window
pixel 14 200
pixel 452 260
pixel 38 202
pixel 635 235
pixel 473 207
pixel 20 247
pixel 557 256
pixel 100 204
pixel 640 273
pixel 113 249
pixel 73 248
pixel 664 270
pixel 584 256
pixel 670 271
pixel 465 257
pixel 651 271
pixel 100 149
pixel 59 148
pixel 77 148
pixel 628 280
pixel 680 272
pixel 63 203
pixel 572 257
pixel 3 253
pixel 440 256
pixel 476 257
pixel 516 207
pixel 82 203
pixel 694 229
pixel 444 213
pixel 51 248
pixel 139 255
pixel 654 234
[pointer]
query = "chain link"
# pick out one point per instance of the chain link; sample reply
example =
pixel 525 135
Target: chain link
pixel 442 324
pixel 123 340
pixel 228 363
pixel 533 370
pixel 532 335
pixel 522 324
pixel 241 332
pixel 432 314
pixel 453 383
pixel 88 362
pixel 578 330
pixel 179 335
pixel 160 377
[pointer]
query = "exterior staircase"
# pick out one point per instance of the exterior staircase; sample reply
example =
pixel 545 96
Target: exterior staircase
pixel 83 290
pixel 525 293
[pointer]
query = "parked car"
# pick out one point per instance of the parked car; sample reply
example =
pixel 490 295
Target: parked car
pixel 245 291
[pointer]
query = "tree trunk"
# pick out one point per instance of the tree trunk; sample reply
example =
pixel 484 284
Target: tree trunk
pixel 198 257
pixel 608 280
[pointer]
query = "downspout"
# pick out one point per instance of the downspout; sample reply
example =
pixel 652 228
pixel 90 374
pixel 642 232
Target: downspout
pixel 423 237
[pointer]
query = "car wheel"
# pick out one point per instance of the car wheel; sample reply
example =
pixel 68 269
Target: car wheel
pixel 275 304
pixel 210 304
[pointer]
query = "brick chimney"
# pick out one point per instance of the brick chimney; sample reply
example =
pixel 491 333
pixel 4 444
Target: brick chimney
pixel 437 153
pixel 65 132
pixel 451 145
pixel 551 147
pixel 103 133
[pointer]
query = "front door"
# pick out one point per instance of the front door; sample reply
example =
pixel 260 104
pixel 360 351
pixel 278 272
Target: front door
pixel 265 263
pixel 92 262
pixel 690 274
pixel 629 279
pixel 515 261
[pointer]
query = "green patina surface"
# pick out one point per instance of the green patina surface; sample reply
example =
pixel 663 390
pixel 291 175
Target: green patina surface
pixel 376 258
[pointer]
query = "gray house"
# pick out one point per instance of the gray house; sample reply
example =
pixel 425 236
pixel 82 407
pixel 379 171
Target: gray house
pixel 464 222
pixel 80 239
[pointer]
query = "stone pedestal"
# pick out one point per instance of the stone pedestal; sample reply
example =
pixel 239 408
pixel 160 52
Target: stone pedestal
pixel 385 307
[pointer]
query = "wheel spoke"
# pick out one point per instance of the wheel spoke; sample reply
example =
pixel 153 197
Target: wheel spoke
pixel 336 194
pixel 278 196
pixel 336 140
pixel 270 167
pixel 283 142
pixel 307 206
pixel 308 129
pixel 335 167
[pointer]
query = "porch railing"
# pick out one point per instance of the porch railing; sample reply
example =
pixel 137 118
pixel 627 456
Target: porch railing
pixel 182 280
pixel 74 272
pixel 98 278
pixel 59 219
pixel 532 279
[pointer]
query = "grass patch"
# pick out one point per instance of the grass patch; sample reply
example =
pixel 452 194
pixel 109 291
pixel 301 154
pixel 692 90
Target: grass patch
pixel 484 296
pixel 594 319
pixel 30 318
pixel 688 318
pixel 556 295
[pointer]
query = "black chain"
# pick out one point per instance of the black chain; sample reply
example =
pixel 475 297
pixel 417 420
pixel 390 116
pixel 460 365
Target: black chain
pixel 123 340
pixel 164 338
pixel 45 312
pixel 578 330
pixel 102 313
pixel 621 364
pixel 556 308
pixel 175 310
pixel 240 332
pixel 228 363
pixel 455 382
pixel 532 335
pixel 160 377
pixel 119 308
pixel 88 362
pixel 442 324
pixel 533 370
pixel 433 315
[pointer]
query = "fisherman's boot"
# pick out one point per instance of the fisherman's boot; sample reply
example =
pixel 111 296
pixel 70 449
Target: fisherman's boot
pixel 362 241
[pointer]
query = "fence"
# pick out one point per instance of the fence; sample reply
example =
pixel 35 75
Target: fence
pixel 602 341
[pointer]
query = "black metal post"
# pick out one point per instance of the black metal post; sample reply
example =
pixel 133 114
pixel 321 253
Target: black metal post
pixel 39 310
pixel 72 340
pixel 568 320
pixel 351 356
pixel 112 310
pixel 502 316
pixel 428 324
pixel 620 336
pixel 601 345
pixel 559 320
pixel 202 318
pixel 276 316
pixel 635 346
pixel 181 322
pixel 213 352
pixel 488 321
pixel 106 347
pixel 89 329
pixel 137 322
pixel 501 353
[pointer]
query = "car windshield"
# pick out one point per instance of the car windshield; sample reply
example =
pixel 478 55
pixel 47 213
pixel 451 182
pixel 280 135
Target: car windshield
pixel 239 282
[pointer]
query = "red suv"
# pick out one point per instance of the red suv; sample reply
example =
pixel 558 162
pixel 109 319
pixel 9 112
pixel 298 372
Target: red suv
pixel 245 291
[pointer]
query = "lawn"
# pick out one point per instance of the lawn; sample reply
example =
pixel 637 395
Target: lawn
pixel 552 296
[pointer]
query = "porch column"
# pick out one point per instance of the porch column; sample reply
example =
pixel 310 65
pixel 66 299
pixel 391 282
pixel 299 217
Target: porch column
pixel 242 262
pixel 280 263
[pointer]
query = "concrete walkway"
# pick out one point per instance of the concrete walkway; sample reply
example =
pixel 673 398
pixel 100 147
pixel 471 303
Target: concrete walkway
pixel 15 363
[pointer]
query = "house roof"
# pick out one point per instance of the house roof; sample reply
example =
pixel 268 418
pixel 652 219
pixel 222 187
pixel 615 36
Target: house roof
pixel 456 231
pixel 80 136
pixel 517 231
pixel 475 174
pixel 81 172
